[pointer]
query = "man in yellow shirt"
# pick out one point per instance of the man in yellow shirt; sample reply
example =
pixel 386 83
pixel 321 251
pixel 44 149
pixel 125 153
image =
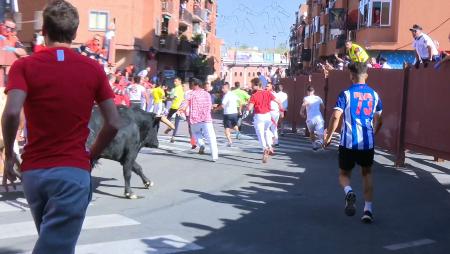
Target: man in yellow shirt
pixel 158 99
pixel 178 97
pixel 356 53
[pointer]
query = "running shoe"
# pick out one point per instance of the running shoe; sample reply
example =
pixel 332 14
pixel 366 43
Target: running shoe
pixel 229 145
pixel 193 147
pixel 172 140
pixel 202 150
pixel 367 217
pixel 350 200
pixel 238 135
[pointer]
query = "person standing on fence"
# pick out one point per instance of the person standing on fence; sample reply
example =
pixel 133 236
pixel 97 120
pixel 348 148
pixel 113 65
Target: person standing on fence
pixel 260 103
pixel 311 109
pixel 356 53
pixel 56 166
pixel 361 109
pixel 425 49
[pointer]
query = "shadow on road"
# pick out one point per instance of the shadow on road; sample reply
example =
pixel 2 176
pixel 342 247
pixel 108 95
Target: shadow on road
pixel 300 210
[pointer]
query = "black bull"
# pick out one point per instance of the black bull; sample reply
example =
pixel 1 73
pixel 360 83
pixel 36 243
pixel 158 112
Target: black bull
pixel 139 129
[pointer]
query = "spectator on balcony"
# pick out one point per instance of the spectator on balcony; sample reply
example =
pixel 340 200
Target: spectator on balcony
pixel 183 6
pixel 384 63
pixel 426 50
pixel 356 53
pixel 11 42
pixel 376 17
pixel 373 63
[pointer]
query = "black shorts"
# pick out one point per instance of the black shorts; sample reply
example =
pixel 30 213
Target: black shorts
pixel 229 121
pixel 348 158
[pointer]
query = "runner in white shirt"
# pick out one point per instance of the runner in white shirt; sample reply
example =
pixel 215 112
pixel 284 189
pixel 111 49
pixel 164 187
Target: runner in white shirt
pixel 283 97
pixel 313 105
pixel 230 104
pixel 137 92
pixel 275 114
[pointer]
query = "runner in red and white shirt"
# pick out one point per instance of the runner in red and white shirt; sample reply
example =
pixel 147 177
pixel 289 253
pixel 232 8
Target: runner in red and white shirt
pixel 200 106
pixel 260 103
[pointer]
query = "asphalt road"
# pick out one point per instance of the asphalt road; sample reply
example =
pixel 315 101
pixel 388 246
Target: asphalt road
pixel 293 204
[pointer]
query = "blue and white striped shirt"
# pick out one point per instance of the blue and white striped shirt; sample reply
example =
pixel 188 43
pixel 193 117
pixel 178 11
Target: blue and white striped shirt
pixel 359 103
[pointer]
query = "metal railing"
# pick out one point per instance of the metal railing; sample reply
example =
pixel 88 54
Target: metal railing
pixel 185 16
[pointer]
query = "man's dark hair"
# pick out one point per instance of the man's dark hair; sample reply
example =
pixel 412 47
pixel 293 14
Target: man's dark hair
pixel 198 82
pixel 310 89
pixel 61 21
pixel 137 79
pixel 258 73
pixel 357 69
pixel 237 84
pixel 256 82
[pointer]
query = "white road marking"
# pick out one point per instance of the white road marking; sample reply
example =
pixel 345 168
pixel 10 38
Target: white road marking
pixel 417 243
pixel 164 244
pixel 27 228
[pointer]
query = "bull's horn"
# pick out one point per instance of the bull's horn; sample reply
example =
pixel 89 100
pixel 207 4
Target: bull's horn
pixel 166 121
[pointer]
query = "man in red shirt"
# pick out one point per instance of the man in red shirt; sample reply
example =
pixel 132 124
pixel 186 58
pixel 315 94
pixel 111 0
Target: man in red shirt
pixel 260 103
pixel 58 102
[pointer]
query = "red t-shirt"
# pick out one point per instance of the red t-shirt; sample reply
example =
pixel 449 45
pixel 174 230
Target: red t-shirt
pixel 261 99
pixel 61 87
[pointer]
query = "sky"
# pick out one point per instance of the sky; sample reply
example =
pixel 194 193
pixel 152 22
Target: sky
pixel 255 22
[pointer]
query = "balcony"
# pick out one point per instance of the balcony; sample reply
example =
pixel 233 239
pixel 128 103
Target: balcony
pixel 184 47
pixel 209 6
pixel 185 18
pixel 167 43
pixel 167 7
pixel 208 27
pixel 199 15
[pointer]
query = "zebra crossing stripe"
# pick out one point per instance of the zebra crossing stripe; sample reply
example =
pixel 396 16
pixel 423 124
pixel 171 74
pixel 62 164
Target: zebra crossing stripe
pixel 164 244
pixel 27 228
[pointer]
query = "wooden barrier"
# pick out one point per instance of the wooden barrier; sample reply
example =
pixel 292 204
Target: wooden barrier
pixel 415 104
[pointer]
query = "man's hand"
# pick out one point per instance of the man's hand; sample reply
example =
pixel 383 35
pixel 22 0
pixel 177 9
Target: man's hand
pixel 9 173
pixel 327 139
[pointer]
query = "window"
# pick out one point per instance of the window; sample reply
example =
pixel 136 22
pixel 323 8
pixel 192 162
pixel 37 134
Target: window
pixel 98 20
pixel 322 34
pixel 235 74
pixel 375 13
pixel 241 74
pixel 249 74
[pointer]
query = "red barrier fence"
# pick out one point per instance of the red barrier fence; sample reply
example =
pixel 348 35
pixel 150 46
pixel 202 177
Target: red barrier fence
pixel 416 111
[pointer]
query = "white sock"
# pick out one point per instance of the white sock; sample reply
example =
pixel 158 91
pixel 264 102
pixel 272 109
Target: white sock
pixel 347 189
pixel 368 206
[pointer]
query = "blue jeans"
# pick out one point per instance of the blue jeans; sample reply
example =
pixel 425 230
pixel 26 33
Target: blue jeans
pixel 58 199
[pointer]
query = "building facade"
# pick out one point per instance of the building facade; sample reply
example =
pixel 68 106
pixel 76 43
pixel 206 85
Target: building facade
pixel 242 65
pixel 167 35
pixel 381 26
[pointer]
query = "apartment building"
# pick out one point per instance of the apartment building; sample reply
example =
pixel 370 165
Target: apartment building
pixel 167 35
pixel 381 26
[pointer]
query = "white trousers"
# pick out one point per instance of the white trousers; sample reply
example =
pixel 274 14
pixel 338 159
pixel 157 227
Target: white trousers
pixel 262 123
pixel 206 131
pixel 316 128
pixel 275 115
pixel 158 108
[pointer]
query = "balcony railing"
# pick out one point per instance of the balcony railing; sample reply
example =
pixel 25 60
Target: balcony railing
pixel 198 13
pixel 208 27
pixel 167 6
pixel 185 17
pixel 184 46
pixel 209 6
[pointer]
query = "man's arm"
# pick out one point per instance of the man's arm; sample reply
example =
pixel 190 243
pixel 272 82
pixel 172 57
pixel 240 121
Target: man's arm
pixel 11 119
pixel 303 109
pixel 332 126
pixel 111 125
pixel 377 122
